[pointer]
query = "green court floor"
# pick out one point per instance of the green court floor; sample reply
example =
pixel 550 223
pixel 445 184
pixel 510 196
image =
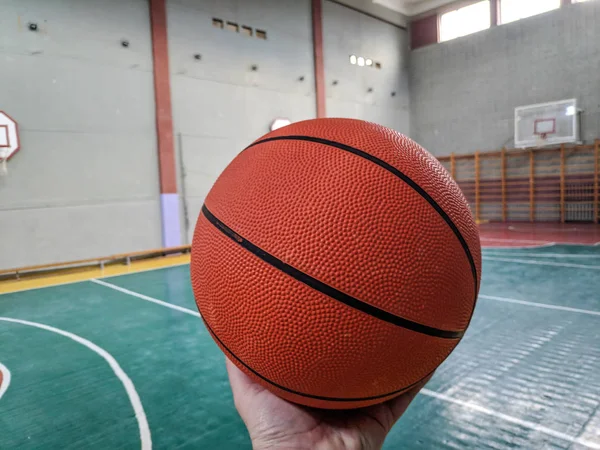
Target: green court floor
pixel 82 356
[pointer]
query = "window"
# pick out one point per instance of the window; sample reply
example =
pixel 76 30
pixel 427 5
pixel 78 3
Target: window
pixel 362 62
pixel 232 26
pixel 511 10
pixel 466 20
pixel 246 30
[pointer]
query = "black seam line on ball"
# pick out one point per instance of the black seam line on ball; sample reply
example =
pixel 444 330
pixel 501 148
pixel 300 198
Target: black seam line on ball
pixel 302 394
pixel 325 288
pixel 400 175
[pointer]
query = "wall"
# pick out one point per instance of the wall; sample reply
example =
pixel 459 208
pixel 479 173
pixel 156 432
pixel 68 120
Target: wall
pixel 464 91
pixel 424 31
pixel 219 104
pixel 348 32
pixel 376 10
pixel 85 182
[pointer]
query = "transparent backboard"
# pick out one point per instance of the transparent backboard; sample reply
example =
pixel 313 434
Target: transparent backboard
pixel 547 124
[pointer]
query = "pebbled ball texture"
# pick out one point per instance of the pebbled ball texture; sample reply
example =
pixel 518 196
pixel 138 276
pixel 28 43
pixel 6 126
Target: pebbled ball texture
pixel 354 225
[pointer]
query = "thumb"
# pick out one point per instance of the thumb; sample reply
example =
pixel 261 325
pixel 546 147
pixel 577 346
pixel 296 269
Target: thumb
pixel 400 404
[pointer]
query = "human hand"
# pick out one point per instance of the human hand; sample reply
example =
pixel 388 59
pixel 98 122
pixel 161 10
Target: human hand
pixel 274 423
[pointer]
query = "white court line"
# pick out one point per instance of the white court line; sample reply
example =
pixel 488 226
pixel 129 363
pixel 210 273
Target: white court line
pixel 542 255
pixel 540 305
pixel 517 247
pixel 145 297
pixel 134 398
pixel 144 270
pixel 511 419
pixel 88 279
pixel 543 243
pixel 519 229
pixel 5 379
pixel 481 409
pixel 517 241
pixel 541 263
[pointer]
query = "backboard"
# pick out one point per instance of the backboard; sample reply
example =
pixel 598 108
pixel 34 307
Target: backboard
pixel 547 124
pixel 9 140
pixel 9 136
pixel 280 123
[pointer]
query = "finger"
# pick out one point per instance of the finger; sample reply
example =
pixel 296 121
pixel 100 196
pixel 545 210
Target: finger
pixel 241 384
pixel 401 403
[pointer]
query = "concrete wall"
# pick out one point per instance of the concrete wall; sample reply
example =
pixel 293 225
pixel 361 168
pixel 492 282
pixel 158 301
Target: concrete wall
pixel 219 104
pixel 85 182
pixel 347 32
pixel 464 91
pixel 376 10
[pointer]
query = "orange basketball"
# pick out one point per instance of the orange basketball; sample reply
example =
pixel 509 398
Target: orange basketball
pixel 336 263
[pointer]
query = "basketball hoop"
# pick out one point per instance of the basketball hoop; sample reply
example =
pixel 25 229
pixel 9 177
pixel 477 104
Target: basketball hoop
pixel 541 139
pixel 547 124
pixel 542 128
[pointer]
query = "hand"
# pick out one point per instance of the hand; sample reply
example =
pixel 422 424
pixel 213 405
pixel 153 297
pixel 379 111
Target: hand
pixel 274 423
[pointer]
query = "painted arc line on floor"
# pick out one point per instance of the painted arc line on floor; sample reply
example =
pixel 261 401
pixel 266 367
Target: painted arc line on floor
pixel 538 255
pixel 5 379
pixel 134 398
pixel 426 392
pixel 541 263
pixel 511 419
pixel 540 305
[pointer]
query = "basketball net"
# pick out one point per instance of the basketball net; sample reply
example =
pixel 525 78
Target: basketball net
pixel 541 139
pixel 3 160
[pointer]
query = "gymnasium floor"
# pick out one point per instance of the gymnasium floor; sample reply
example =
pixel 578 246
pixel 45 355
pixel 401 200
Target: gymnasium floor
pixel 125 362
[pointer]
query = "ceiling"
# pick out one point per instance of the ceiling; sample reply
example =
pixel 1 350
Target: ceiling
pixel 412 7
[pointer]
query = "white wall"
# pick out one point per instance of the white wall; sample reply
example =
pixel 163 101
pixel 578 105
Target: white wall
pixel 85 183
pixel 348 32
pixel 219 104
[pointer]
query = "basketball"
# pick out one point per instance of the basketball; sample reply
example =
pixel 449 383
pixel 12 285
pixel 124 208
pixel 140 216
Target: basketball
pixel 336 263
